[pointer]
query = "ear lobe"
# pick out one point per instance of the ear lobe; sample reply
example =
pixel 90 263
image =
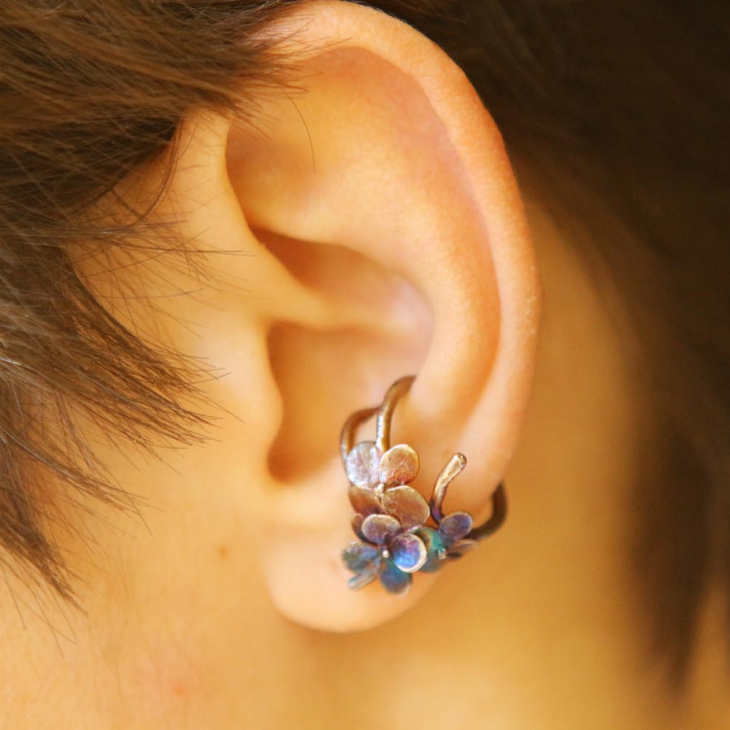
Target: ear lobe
pixel 392 241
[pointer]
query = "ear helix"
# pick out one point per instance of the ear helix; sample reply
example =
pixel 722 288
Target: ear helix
pixel 400 532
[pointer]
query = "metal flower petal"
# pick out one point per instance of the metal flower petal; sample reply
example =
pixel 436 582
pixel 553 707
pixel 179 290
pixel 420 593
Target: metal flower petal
pixel 407 505
pixel 435 548
pixel 408 552
pixel 364 500
pixel 361 558
pixel 379 528
pixel 455 526
pixel 398 465
pixel 462 548
pixel 362 464
pixel 394 580
pixel 357 521
pixel 360 581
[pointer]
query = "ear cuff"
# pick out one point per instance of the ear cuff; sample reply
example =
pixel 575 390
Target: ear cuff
pixel 400 532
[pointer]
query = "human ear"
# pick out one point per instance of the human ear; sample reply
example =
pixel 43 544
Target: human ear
pixel 388 238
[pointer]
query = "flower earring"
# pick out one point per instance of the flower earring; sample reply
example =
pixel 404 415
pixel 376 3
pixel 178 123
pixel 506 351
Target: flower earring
pixel 400 533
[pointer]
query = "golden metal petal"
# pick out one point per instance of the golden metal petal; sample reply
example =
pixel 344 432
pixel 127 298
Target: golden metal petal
pixel 399 465
pixel 407 505
pixel 364 500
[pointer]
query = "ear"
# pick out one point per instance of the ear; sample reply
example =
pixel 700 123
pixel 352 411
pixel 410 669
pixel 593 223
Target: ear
pixel 389 239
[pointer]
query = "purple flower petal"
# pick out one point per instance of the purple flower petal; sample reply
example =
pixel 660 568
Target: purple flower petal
pixel 398 465
pixel 408 552
pixel 406 505
pixel 462 548
pixel 455 526
pixel 364 500
pixel 394 580
pixel 361 558
pixel 378 528
pixel 362 464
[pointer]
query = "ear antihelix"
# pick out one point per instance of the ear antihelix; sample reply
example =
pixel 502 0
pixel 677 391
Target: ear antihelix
pixel 399 532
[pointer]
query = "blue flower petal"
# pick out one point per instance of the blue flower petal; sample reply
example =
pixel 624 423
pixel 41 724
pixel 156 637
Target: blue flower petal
pixel 408 551
pixel 360 581
pixel 361 558
pixel 455 526
pixel 394 580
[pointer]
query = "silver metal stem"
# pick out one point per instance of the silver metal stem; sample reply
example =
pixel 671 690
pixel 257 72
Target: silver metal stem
pixel 385 414
pixel 453 468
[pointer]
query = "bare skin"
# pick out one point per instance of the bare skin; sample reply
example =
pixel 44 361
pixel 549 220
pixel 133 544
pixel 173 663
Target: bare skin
pixel 536 629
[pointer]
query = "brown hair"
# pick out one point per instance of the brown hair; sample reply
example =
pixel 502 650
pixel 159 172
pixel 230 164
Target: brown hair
pixel 629 100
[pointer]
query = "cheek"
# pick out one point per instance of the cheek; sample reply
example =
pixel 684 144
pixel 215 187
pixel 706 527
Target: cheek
pixel 161 682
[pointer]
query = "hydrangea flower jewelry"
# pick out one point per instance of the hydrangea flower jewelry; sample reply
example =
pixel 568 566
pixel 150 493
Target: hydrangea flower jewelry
pixel 400 533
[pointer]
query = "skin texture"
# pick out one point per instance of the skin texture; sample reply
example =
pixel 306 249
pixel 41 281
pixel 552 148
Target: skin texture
pixel 367 228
